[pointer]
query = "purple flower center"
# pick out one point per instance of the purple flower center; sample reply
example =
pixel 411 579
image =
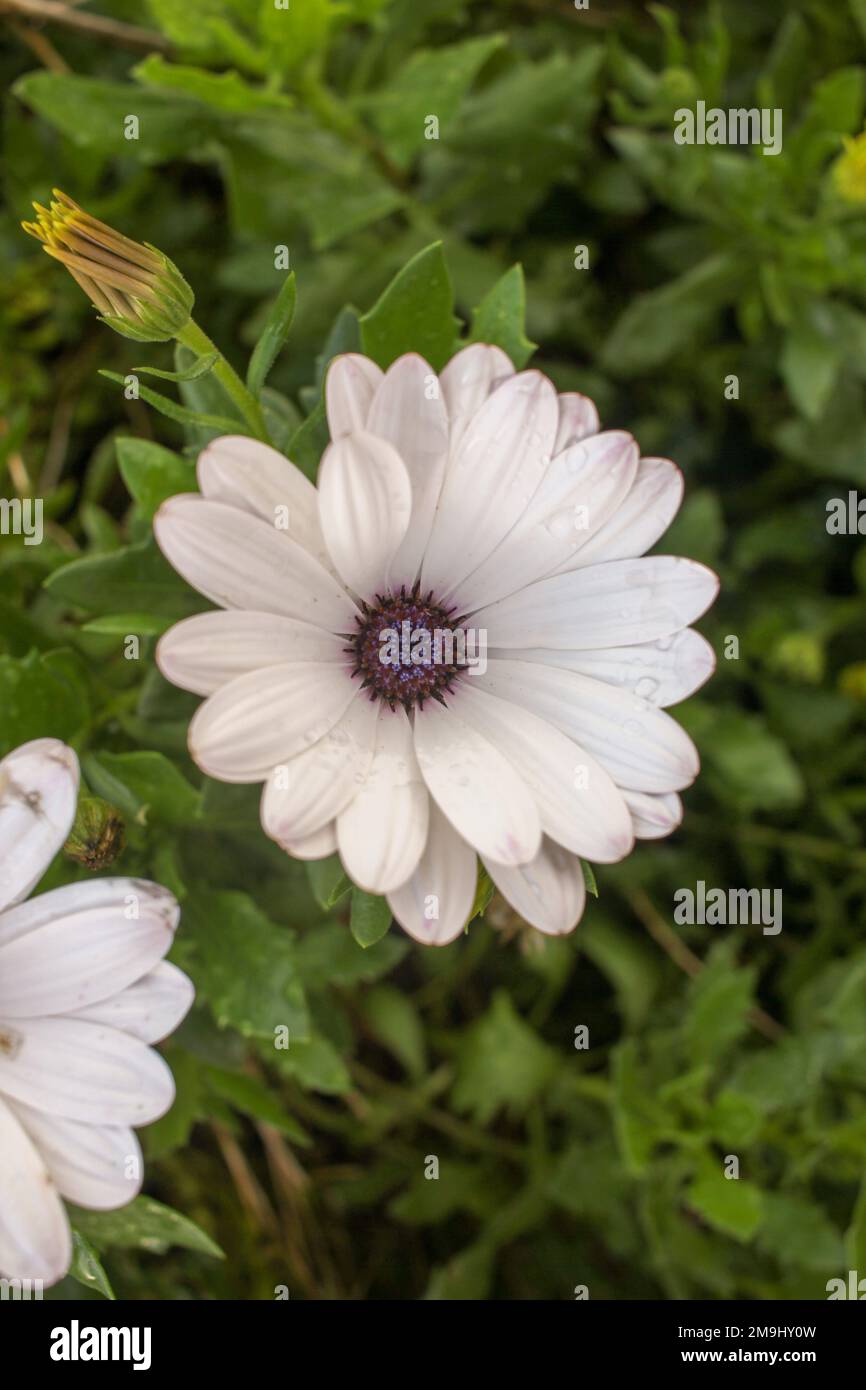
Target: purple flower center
pixel 407 649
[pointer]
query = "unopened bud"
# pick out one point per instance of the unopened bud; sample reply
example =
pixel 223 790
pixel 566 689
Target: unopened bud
pixel 98 834
pixel 137 290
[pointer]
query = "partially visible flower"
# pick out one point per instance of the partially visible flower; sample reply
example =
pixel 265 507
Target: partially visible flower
pixel 83 990
pixel 483 506
pixel 137 290
pixel 849 170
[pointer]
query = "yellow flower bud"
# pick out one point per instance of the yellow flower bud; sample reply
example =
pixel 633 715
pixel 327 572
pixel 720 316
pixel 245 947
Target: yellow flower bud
pixel 137 290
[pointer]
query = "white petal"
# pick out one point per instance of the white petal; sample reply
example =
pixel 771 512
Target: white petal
pixel 365 500
pixel 433 905
pixel 149 1009
pixel 90 895
pixel 84 1071
pixel 252 476
pixel 578 802
pixel 382 832
pixel 468 379
pixel 663 672
pixel 644 515
pixel 616 604
pixel 239 561
pixel 97 1166
pixel 642 748
pixel 35 1241
pixel 349 389
pixel 478 789
pixel 208 650
pixel 316 846
pixel 580 489
pixel 578 419
pixel 549 893
pixel 654 817
pixel 410 416
pixel 85 953
pixel 491 478
pixel 265 717
pixel 305 794
pixel 38 792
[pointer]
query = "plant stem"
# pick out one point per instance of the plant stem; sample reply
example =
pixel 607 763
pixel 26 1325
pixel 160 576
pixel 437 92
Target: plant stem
pixel 198 342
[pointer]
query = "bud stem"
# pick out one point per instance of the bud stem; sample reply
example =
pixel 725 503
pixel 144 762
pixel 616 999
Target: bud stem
pixel 198 342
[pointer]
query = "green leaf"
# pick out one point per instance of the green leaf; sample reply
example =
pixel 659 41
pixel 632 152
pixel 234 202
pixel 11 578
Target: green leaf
pixel 370 918
pixel 316 1064
pixel 308 443
pixel 198 368
pixel 432 81
pixel 501 1063
pixel 809 364
pixel 329 954
pixel 42 695
pixel 145 786
pixel 127 625
pixel 136 578
pixel 244 965
pixel 93 113
pixel 625 960
pixel 730 1205
pixel 484 890
pixel 153 473
pixel 751 768
pixel 635 1110
pixel 665 321
pixel 394 1021
pixel 223 91
pixel 799 1233
pixel 720 997
pixel 294 32
pixel 414 314
pixel 589 878
pixel 143 1225
pixel 273 336
pixel 86 1268
pixel 327 880
pixel 181 414
pixel 251 1097
pixel 500 318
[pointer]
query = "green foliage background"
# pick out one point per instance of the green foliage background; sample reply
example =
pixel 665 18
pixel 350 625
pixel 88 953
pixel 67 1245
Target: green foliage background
pixel 305 128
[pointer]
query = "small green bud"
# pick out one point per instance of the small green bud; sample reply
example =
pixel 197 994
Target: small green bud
pixel 98 834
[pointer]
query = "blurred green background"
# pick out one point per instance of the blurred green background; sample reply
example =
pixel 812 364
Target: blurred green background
pixel 558 1166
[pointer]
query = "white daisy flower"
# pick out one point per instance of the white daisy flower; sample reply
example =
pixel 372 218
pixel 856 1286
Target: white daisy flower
pixel 479 504
pixel 83 991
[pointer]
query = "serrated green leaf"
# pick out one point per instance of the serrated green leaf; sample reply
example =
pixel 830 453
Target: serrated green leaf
pixel 243 965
